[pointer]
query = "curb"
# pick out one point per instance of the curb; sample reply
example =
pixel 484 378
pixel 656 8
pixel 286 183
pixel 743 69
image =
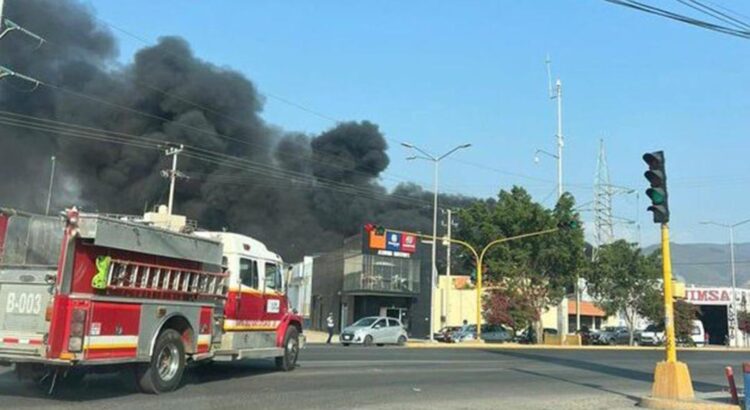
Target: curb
pixel 475 345
pixel 668 404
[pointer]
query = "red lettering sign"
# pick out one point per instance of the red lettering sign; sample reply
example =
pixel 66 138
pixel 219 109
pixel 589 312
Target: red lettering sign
pixel 708 296
pixel 408 243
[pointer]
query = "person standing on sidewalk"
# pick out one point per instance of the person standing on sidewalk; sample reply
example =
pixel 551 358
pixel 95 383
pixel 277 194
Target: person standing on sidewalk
pixel 330 325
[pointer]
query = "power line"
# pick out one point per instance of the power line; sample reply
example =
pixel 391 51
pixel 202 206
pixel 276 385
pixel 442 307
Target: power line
pixel 717 14
pixel 323 158
pixel 317 158
pixel 727 10
pixel 220 159
pixel 636 5
pixel 296 105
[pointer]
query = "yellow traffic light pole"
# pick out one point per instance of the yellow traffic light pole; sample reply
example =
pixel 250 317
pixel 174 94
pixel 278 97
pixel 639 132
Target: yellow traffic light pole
pixel 671 378
pixel 671 354
pixel 479 259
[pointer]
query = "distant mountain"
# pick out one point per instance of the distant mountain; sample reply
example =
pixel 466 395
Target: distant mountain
pixel 708 263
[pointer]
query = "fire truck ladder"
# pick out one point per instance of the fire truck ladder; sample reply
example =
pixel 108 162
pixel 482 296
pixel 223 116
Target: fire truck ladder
pixel 137 276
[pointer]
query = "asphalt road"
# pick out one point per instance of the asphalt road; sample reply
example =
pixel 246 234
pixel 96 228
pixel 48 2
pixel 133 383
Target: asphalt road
pixel 391 377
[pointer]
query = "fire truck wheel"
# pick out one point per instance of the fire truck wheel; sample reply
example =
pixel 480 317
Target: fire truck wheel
pixel 164 372
pixel 288 361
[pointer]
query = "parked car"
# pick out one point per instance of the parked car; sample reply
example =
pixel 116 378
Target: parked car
pixel 490 334
pixel 652 335
pixel 446 334
pixel 528 336
pixel 612 335
pixel 587 336
pixel 374 330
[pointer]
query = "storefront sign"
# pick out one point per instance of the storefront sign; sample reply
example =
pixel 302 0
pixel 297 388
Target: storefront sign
pixel 709 296
pixel 376 241
pixel 408 243
pixel 394 254
pixel 393 241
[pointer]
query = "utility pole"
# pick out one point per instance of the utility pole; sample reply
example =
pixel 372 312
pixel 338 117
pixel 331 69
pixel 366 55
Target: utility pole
pixel 7 26
pixel 173 174
pixel 51 181
pixel 556 94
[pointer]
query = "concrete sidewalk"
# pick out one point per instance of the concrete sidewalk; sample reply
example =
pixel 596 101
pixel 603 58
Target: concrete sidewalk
pixel 318 337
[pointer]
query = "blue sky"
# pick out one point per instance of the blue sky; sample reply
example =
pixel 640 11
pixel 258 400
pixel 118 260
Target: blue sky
pixel 443 73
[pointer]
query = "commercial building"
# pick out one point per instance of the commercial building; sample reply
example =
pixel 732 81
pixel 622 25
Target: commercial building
pixel 376 273
pixel 715 311
pixel 456 301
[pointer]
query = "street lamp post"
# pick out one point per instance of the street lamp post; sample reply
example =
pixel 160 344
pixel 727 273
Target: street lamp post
pixel 562 309
pixel 436 161
pixel 479 260
pixel 734 328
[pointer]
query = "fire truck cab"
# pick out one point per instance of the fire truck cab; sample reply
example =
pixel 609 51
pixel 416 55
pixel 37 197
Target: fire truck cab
pixel 256 308
pixel 94 293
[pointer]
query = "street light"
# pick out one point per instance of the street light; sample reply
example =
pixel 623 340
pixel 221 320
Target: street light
pixel 541 151
pixel 479 258
pixel 733 338
pixel 562 309
pixel 435 160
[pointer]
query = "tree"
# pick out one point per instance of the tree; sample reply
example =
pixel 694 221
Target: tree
pixel 509 307
pixel 621 280
pixel 652 308
pixel 545 266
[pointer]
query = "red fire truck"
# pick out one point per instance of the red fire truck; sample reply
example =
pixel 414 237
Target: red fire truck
pixel 88 292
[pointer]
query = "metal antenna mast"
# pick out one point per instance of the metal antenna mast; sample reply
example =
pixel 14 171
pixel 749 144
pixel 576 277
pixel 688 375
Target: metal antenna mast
pixel 604 228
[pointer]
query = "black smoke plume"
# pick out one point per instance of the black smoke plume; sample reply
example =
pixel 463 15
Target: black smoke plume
pixel 311 192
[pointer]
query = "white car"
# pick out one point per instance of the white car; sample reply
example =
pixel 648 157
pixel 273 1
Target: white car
pixel 374 330
pixel 698 334
pixel 652 335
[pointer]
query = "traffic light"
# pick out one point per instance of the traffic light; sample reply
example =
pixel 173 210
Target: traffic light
pixel 657 177
pixel 569 225
pixel 378 229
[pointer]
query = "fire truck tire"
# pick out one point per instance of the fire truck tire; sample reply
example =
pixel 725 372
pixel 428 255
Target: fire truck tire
pixel 164 372
pixel 288 361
